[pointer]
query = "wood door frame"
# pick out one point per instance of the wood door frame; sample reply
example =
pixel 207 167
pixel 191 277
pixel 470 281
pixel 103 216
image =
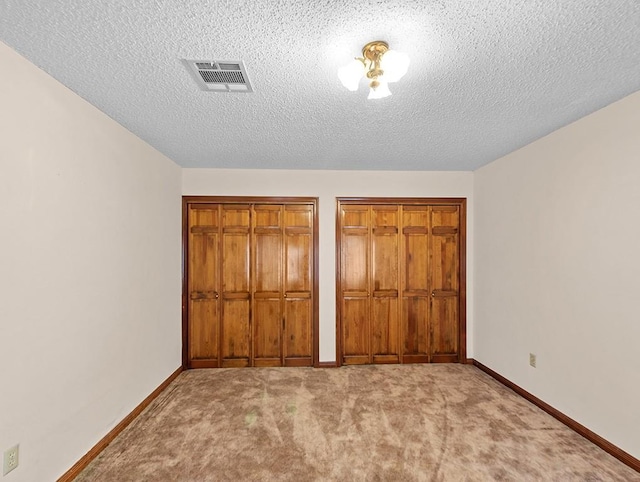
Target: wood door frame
pixel 187 200
pixel 462 299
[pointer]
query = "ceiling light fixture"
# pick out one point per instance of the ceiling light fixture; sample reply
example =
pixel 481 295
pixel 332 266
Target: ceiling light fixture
pixel 379 64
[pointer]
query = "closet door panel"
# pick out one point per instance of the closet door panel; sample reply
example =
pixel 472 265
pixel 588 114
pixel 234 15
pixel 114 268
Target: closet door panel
pixel 203 285
pixel 235 285
pixel 299 248
pixel 416 341
pixel 204 332
pixel 415 313
pixel 384 282
pixel 355 248
pixel 355 284
pixel 266 334
pixel 384 329
pixel 444 333
pixel 267 283
pixel 355 274
pixel 444 283
pixel 298 253
pixel 297 330
pixel 235 331
pixel 355 327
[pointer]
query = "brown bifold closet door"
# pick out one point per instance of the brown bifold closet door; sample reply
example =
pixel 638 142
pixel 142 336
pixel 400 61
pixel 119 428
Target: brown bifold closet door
pixel 235 281
pixel 354 282
pixel 203 289
pixel 298 285
pixel 444 283
pixel 369 284
pixel 400 279
pixel 267 285
pixel 384 284
pixel 415 286
pixel 250 283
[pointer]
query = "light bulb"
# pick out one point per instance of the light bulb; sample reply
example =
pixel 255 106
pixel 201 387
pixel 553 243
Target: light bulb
pixel 351 74
pixel 394 64
pixel 380 91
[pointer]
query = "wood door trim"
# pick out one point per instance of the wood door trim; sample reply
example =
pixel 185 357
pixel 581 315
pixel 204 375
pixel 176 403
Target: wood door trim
pixel 461 202
pixel 246 200
pixel 402 200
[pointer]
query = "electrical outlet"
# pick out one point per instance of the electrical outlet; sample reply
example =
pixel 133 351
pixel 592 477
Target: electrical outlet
pixel 10 459
pixel 532 359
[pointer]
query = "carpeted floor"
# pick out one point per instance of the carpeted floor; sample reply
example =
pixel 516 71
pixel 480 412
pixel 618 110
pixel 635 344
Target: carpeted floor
pixel 369 423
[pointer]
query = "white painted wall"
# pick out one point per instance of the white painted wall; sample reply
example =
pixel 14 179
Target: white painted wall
pixel 89 271
pixel 327 185
pixel 558 270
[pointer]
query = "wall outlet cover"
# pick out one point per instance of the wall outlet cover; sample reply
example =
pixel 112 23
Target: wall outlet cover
pixel 11 459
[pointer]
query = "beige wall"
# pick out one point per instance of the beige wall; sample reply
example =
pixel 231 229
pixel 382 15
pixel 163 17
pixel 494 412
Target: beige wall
pixel 90 271
pixel 558 270
pixel 327 185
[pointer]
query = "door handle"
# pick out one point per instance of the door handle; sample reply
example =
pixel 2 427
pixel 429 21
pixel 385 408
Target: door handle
pixel 433 293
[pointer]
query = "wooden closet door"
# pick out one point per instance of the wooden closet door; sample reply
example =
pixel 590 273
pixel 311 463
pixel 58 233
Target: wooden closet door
pixel 250 286
pixel 236 295
pixel 401 280
pixel 415 285
pixel 445 283
pixel 267 296
pixel 203 285
pixel 298 285
pixel 354 272
pixel 384 322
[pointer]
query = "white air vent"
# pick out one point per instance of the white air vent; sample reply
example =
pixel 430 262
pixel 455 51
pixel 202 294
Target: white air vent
pixel 219 75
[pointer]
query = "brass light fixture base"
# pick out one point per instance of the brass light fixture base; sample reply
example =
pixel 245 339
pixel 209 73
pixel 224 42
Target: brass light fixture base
pixel 374 50
pixel 373 53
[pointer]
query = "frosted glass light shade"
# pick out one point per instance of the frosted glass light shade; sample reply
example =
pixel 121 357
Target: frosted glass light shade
pixel 394 64
pixel 351 74
pixel 379 92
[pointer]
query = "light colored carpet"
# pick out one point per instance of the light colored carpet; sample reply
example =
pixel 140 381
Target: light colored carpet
pixel 370 423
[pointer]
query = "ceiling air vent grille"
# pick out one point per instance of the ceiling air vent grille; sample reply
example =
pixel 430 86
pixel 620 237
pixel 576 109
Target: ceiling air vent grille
pixel 219 76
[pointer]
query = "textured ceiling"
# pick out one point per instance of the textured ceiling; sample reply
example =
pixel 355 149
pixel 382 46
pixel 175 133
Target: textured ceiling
pixel 486 77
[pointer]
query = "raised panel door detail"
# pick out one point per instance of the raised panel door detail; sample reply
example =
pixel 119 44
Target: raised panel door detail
pixel 355 261
pixel 384 293
pixel 267 282
pixel 445 222
pixel 266 334
pixel 416 319
pixel 444 332
pixel 355 216
pixel 415 292
pixel 204 331
pixel 384 329
pixel 298 253
pixel 355 324
pixel 235 286
pixel 297 331
pixel 203 284
pixel 235 332
pixel 355 264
